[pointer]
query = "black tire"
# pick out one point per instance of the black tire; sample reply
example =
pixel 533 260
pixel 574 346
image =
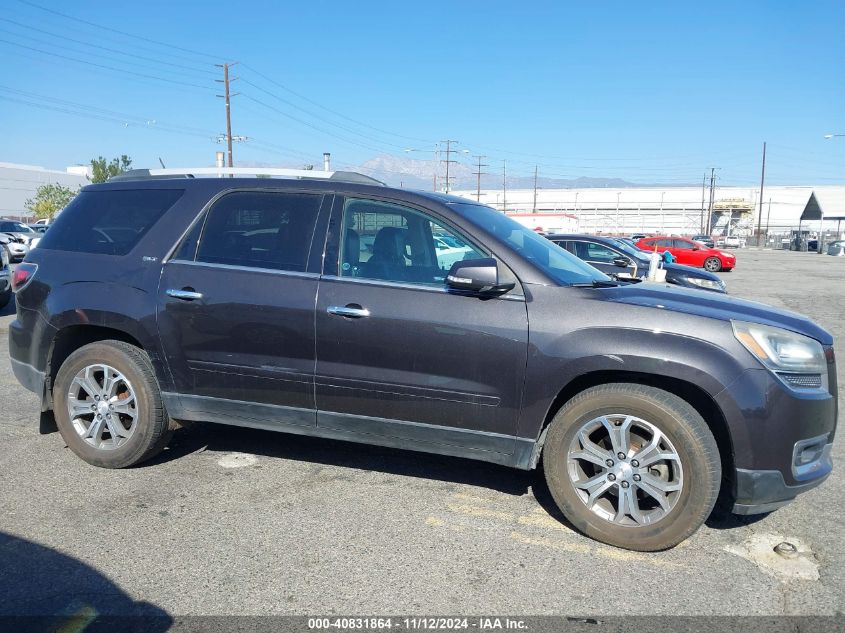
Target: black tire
pixel 713 264
pixel 679 422
pixel 153 427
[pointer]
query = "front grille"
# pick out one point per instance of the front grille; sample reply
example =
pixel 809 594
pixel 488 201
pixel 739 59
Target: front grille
pixel 803 381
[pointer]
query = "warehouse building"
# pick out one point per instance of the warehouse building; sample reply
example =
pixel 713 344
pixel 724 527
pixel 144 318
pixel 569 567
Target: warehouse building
pixel 672 210
pixel 18 183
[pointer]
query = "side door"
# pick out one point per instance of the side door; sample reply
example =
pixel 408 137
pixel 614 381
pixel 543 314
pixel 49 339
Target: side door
pixel 398 354
pixel 685 253
pixel 236 308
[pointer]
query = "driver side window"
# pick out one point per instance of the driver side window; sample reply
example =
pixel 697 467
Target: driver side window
pixel 382 240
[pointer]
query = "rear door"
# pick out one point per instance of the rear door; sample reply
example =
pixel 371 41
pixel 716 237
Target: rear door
pixel 236 307
pixel 399 355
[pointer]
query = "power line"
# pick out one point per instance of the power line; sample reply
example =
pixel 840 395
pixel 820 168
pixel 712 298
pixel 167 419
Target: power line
pixel 336 113
pixel 448 161
pixel 100 47
pixel 104 66
pixel 113 30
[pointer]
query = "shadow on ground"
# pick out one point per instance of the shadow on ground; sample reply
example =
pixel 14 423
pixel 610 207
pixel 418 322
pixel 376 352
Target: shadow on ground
pixel 44 590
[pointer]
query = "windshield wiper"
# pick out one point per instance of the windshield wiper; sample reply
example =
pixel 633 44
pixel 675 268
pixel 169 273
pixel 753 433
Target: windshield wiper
pixel 596 283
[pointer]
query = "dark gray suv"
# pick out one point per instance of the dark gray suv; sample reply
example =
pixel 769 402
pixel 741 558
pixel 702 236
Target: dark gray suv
pixel 329 305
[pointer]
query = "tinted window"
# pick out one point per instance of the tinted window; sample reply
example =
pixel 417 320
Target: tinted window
pixel 663 244
pixel 599 253
pixel 683 244
pixel 391 242
pixel 260 229
pixel 14 227
pixel 108 222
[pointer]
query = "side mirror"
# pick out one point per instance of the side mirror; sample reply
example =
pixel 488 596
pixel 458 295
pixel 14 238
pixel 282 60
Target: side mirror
pixel 477 275
pixel 622 262
pixel 696 248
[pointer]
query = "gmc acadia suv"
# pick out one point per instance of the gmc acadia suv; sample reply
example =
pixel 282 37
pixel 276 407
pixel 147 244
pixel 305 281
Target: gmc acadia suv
pixel 326 304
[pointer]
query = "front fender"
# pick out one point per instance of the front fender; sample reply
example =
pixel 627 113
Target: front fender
pixel 709 361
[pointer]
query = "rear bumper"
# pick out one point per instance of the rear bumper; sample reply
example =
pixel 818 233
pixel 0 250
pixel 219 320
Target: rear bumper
pixel 29 376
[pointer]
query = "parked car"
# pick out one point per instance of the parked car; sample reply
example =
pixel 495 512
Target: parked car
pixel 14 247
pixel 39 228
pixel 642 400
pixel 18 230
pixel 686 251
pixel 5 280
pixel 627 240
pixel 613 256
pixel 704 239
pixel 836 248
pixel 732 241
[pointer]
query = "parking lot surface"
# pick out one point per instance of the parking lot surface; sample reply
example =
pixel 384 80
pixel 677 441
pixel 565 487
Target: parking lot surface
pixel 239 521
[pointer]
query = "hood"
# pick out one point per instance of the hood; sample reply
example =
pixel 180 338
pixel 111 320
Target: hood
pixel 714 306
pixel 691 271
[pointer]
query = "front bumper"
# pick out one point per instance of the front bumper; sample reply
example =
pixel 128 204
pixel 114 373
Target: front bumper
pixel 759 491
pixel 781 438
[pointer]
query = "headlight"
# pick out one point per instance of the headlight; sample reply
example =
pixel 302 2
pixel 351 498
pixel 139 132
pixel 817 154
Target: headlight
pixel 708 284
pixel 798 360
pixel 728 255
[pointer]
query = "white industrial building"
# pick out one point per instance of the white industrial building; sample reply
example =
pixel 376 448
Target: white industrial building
pixel 669 210
pixel 18 184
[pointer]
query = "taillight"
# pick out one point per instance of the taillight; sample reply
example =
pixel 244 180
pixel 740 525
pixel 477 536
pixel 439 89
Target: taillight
pixel 24 272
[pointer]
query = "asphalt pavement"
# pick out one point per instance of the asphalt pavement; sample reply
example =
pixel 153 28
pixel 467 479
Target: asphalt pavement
pixel 238 521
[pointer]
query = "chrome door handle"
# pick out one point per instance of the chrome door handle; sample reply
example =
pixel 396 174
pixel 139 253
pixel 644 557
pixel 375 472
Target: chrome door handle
pixel 349 311
pixel 184 294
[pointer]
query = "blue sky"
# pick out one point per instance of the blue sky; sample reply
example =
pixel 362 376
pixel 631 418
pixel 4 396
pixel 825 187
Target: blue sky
pixel 647 91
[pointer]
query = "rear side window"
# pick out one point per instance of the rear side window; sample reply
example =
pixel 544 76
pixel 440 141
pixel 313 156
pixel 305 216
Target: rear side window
pixel 260 230
pixel 108 222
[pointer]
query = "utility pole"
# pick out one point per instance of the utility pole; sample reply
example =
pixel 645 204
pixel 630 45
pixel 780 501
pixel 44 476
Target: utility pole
pixel 768 216
pixel 762 182
pixel 227 96
pixel 709 227
pixel 504 186
pixel 703 183
pixel 478 175
pixel 535 189
pixel 448 161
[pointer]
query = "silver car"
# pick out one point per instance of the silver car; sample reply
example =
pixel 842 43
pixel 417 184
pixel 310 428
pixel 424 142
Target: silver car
pixel 18 233
pixel 836 248
pixel 14 248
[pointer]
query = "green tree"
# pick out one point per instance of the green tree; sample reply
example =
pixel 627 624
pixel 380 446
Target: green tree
pixel 101 170
pixel 49 200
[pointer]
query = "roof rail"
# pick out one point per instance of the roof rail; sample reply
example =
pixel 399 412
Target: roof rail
pixel 265 172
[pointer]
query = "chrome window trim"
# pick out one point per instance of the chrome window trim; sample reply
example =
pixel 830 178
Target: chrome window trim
pixel 409 286
pixel 277 271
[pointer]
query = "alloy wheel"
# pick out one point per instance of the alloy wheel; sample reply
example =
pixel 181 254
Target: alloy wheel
pixel 625 470
pixel 102 407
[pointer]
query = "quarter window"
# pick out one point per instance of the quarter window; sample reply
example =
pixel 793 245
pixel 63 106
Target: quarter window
pixel 259 229
pixel 387 241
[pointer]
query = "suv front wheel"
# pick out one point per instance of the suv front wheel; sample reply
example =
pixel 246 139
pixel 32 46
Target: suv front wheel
pixel 108 406
pixel 632 466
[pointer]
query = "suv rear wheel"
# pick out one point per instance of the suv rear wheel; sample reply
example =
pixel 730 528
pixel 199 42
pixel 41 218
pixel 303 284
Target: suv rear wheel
pixel 632 466
pixel 108 405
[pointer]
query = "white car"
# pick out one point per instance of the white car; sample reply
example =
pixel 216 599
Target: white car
pixel 732 241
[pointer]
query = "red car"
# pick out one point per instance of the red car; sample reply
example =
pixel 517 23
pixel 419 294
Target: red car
pixel 691 253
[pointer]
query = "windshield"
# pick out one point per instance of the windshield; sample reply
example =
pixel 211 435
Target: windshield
pixel 630 250
pixel 16 227
pixel 556 262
